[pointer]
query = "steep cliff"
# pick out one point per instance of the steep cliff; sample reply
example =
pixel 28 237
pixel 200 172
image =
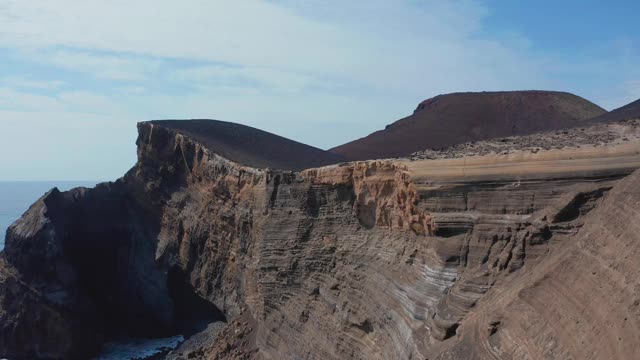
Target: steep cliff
pixel 581 302
pixel 415 258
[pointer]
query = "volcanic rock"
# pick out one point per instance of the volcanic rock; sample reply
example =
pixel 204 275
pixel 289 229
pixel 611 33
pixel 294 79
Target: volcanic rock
pixel 626 112
pixel 523 254
pixel 451 119
pixel 250 146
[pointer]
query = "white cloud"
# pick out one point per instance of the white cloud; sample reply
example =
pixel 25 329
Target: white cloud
pixel 230 31
pixel 378 45
pixel 66 101
pixel 87 102
pixel 133 89
pixel 104 66
pixel 12 99
pixel 271 80
pixel 25 83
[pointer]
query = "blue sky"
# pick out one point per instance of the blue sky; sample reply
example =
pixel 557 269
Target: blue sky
pixel 76 76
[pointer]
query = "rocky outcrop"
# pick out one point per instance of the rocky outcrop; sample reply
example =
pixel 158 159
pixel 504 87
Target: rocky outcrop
pixel 422 258
pixel 81 255
pixel 250 146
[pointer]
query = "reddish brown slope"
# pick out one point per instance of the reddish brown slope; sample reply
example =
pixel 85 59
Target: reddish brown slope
pixel 462 117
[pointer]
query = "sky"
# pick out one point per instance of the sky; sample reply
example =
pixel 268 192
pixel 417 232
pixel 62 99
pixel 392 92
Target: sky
pixel 76 76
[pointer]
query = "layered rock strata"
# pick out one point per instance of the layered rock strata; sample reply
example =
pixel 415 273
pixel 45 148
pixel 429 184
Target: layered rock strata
pixel 445 258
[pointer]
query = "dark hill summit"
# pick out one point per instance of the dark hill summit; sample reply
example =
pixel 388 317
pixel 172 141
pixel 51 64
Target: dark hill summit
pixel 451 119
pixel 250 146
pixel 627 112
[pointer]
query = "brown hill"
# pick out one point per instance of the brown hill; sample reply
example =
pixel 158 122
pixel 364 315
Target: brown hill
pixel 250 146
pixel 627 112
pixel 463 117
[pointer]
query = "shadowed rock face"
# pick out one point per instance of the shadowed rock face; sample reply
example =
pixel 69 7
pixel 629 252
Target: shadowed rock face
pixel 84 253
pixel 448 257
pixel 451 119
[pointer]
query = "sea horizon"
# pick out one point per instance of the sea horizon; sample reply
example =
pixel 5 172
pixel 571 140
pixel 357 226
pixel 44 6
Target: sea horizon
pixel 17 195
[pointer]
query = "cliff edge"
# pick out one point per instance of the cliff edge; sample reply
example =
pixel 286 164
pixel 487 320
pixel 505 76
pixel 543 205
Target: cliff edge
pixel 443 257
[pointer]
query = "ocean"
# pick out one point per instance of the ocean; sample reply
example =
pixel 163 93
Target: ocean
pixel 17 196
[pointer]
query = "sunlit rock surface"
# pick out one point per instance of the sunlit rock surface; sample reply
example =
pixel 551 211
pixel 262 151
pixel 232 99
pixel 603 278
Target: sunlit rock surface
pixel 506 255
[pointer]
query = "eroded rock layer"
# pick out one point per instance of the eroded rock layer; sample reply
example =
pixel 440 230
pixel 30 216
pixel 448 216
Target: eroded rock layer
pixel 443 258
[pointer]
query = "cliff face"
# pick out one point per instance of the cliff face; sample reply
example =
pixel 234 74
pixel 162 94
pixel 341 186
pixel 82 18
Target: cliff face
pixel 376 259
pixel 580 302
